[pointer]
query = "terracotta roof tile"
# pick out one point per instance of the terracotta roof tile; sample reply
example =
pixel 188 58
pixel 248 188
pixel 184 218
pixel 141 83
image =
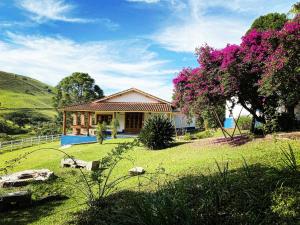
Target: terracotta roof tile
pixel 121 107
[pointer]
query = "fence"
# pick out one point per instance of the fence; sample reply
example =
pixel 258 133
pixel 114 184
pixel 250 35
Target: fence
pixel 27 142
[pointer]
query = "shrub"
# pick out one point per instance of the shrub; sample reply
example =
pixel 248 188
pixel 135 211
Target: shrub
pixel 244 122
pixel 47 128
pixel 114 128
pixel 187 136
pixel 101 132
pixel 5 137
pixel 9 128
pixel 23 117
pixel 205 134
pixel 280 122
pixel 157 133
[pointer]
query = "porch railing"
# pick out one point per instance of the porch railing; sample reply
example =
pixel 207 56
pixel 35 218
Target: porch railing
pixel 27 142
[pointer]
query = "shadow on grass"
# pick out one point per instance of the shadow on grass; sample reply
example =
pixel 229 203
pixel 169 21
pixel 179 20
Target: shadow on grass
pixel 178 143
pixel 28 215
pixel 46 196
pixel 235 141
pixel 253 194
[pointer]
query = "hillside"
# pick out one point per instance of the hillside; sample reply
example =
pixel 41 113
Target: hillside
pixel 18 91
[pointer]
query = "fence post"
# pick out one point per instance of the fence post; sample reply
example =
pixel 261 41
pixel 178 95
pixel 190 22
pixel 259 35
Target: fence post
pixel 11 145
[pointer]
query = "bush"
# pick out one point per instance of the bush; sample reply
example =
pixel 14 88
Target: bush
pixel 9 128
pixel 205 134
pixel 101 132
pixel 157 133
pixel 208 119
pixel 244 122
pixel 114 128
pixel 5 137
pixel 23 117
pixel 47 129
pixel 187 137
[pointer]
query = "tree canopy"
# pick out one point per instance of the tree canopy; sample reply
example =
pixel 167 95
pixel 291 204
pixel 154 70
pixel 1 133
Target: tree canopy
pixel 76 88
pixel 271 21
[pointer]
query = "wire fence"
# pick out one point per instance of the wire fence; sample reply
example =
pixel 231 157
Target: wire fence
pixel 27 142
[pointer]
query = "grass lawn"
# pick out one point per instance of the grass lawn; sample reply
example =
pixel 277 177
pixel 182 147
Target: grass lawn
pixel 193 157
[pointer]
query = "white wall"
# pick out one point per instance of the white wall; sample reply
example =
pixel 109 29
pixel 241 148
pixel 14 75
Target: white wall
pixel 181 121
pixel 121 118
pixel 132 97
pixel 236 110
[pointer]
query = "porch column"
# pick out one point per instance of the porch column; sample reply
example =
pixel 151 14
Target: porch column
pixel 64 122
pixel 91 119
pixel 88 124
pixel 75 118
pixel 82 119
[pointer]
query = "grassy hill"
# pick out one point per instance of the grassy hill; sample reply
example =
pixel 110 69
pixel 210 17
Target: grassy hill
pixel 18 91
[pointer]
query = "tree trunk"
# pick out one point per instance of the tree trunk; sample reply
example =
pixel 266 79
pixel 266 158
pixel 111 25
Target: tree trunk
pixel 291 111
pixel 252 125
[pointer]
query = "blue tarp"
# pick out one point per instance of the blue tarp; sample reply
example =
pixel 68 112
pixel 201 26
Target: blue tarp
pixel 229 123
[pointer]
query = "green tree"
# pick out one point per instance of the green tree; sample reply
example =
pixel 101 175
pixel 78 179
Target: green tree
pixel 295 9
pixel 77 88
pixel 271 21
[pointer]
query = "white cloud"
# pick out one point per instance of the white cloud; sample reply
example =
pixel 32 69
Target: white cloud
pixel 115 65
pixel 108 23
pixel 195 23
pixel 57 10
pixel 144 1
pixel 185 37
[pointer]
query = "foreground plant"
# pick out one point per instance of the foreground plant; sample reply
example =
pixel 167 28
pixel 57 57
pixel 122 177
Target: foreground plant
pixel 252 194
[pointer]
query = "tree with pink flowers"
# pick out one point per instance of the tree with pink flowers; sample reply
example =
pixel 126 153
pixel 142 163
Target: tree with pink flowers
pixel 261 74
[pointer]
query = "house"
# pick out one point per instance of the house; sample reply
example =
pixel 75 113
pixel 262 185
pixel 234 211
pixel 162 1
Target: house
pixel 131 108
pixel 239 110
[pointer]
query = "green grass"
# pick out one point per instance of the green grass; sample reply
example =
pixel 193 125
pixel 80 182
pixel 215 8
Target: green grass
pixel 186 158
pixel 18 91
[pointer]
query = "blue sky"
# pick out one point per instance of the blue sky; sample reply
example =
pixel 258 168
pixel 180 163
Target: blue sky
pixel 120 43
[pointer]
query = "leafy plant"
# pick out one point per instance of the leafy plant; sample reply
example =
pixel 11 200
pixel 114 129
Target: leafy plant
pixel 229 197
pixel 157 133
pixel 187 136
pixel 205 134
pixel 102 176
pixel 289 159
pixel 114 127
pixel 244 122
pixel 101 132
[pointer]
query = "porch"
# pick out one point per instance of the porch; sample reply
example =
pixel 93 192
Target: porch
pixel 85 122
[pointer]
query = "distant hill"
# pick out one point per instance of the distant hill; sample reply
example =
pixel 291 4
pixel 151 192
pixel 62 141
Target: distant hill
pixel 18 92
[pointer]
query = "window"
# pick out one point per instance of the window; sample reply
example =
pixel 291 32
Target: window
pixel 104 118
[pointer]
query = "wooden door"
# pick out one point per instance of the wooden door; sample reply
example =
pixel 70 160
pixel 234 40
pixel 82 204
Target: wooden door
pixel 133 122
